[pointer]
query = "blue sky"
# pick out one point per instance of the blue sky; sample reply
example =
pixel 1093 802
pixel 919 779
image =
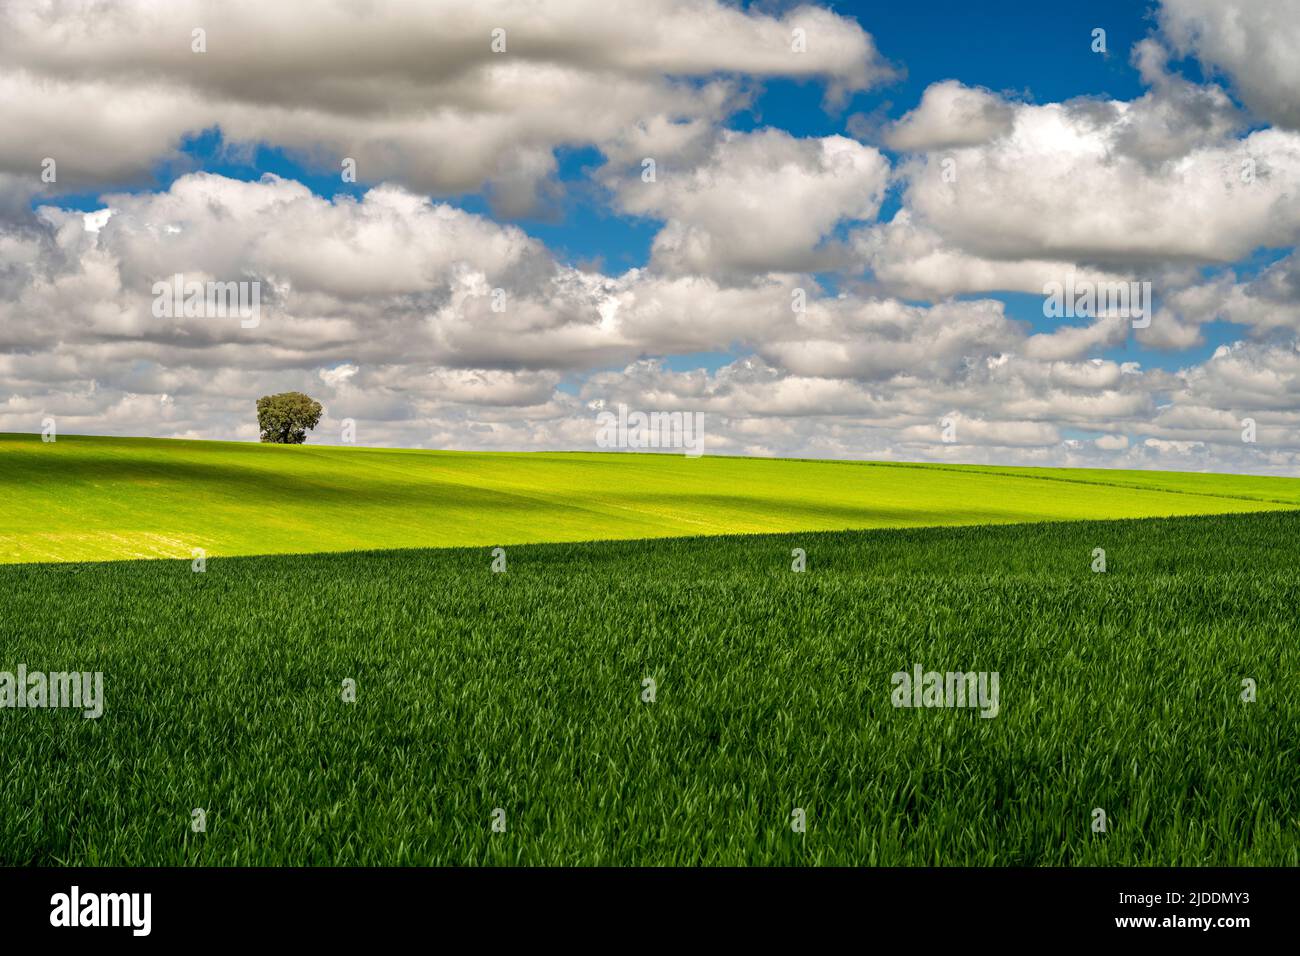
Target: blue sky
pixel 1035 51
pixel 1031 51
pixel 685 277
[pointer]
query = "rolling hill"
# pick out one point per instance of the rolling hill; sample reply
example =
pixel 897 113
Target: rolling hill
pixel 521 693
pixel 94 498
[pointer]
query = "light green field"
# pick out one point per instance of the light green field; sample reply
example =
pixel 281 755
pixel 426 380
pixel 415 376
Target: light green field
pixel 87 499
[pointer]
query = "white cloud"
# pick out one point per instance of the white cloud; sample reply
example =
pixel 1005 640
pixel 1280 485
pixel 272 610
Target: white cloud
pixel 915 262
pixel 382 308
pixel 1073 341
pixel 951 115
pixel 1253 41
pixel 1266 304
pixel 1066 184
pixel 1001 195
pixel 432 326
pixel 756 202
pixel 416 96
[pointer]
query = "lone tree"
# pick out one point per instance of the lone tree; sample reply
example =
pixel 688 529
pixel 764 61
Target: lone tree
pixel 285 418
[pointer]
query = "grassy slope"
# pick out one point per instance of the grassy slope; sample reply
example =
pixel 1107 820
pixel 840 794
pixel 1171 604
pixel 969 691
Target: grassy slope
pixel 520 691
pixel 103 498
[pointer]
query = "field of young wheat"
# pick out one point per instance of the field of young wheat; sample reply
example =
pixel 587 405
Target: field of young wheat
pixel 686 701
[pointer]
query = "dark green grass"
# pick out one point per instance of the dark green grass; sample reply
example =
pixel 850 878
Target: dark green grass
pixel 522 691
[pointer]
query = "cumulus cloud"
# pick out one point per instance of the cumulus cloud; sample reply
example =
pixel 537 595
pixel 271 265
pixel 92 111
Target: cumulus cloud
pixel 755 202
pixel 1074 341
pixel 914 261
pixel 1003 195
pixel 823 331
pixel 1267 304
pixel 418 95
pixel 976 431
pixel 1246 376
pixel 383 307
pixel 1067 183
pixel 1253 42
pixel 950 115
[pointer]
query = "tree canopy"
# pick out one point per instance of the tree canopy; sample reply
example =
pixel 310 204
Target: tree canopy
pixel 285 418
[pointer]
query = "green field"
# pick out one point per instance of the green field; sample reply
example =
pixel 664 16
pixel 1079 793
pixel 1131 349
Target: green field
pixel 521 690
pixel 89 499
